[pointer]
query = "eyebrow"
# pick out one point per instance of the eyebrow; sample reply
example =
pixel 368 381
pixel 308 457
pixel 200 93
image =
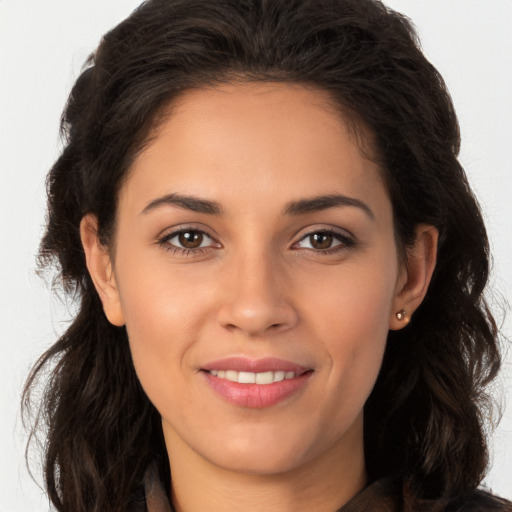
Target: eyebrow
pixel 187 202
pixel 299 207
pixel 319 203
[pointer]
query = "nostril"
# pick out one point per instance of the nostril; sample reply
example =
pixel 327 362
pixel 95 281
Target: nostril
pixel 255 317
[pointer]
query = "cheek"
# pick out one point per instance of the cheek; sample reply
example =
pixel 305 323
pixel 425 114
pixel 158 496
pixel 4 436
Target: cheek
pixel 160 330
pixel 161 312
pixel 158 298
pixel 351 318
pixel 356 298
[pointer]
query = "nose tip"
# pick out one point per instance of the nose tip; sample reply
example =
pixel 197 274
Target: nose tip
pixel 256 305
pixel 256 319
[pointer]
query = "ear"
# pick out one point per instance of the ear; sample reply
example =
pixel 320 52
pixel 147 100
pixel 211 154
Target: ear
pixel 100 268
pixel 414 279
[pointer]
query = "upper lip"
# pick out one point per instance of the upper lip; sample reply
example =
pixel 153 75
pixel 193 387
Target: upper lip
pixel 244 364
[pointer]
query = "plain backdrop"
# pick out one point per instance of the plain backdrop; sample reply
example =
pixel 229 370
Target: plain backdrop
pixel 42 48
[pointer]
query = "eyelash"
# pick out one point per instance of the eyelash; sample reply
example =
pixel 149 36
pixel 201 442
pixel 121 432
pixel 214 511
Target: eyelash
pixel 183 251
pixel 346 242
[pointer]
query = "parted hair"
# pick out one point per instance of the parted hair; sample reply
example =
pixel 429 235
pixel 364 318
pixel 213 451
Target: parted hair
pixel 426 417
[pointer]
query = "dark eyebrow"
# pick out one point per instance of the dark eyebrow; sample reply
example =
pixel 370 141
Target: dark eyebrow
pixel 187 202
pixel 318 203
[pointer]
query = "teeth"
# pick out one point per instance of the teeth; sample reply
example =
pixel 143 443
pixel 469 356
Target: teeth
pixel 231 375
pixel 244 377
pixel 279 376
pixel 253 378
pixel 265 378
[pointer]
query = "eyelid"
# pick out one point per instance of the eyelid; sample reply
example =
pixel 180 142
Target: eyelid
pixel 180 228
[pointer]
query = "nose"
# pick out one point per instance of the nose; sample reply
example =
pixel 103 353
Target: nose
pixel 255 300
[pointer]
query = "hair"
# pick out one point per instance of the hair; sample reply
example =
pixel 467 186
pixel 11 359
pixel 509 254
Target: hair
pixel 425 417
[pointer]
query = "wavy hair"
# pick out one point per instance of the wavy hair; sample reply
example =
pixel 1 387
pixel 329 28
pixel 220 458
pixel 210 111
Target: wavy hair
pixel 425 417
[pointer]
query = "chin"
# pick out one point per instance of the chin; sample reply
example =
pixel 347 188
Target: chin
pixel 262 455
pixel 261 463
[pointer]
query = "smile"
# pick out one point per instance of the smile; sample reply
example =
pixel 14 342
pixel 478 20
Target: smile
pixel 252 377
pixel 256 384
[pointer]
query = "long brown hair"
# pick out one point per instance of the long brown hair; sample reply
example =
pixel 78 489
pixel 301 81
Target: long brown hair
pixel 425 417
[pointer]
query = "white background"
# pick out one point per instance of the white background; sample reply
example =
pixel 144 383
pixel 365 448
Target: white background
pixel 42 47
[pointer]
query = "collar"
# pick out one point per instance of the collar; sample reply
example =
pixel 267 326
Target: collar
pixel 380 496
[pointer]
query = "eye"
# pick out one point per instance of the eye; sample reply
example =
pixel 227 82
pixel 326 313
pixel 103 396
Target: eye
pixel 325 240
pixel 187 240
pixel 190 239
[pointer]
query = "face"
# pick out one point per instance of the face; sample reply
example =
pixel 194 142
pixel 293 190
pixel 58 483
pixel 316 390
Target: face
pixel 256 271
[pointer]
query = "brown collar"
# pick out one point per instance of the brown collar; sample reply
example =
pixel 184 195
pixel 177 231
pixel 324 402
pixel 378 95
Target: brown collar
pixel 381 496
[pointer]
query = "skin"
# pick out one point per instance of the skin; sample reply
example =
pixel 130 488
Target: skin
pixel 258 286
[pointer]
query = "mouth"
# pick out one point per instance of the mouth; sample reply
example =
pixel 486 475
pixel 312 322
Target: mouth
pixel 261 378
pixel 256 384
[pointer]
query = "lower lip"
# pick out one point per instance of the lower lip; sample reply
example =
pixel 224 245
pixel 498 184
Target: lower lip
pixel 257 396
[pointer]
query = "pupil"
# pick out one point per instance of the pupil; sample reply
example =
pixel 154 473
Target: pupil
pixel 321 240
pixel 190 239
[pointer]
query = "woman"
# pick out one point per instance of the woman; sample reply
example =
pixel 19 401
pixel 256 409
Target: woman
pixel 280 267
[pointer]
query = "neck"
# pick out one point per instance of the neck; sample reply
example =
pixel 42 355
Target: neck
pixel 323 484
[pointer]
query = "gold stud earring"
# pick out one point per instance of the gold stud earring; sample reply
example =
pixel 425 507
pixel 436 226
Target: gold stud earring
pixel 402 316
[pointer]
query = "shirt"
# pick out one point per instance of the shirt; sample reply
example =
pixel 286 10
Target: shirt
pixel 381 496
pixel 384 495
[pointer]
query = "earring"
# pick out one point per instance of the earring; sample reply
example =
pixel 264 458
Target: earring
pixel 402 316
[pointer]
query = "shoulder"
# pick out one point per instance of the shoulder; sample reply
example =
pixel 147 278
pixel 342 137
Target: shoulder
pixel 479 501
pixel 388 495
pixel 474 501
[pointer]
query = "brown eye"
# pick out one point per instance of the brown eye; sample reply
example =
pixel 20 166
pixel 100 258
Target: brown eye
pixel 325 241
pixel 188 242
pixel 321 240
pixel 190 239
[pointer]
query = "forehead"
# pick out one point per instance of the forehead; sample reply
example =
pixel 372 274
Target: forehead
pixel 250 138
